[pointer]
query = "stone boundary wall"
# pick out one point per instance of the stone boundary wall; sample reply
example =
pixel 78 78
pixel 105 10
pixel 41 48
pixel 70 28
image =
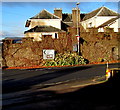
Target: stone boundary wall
pixel 96 47
pixel 100 47
pixel 29 52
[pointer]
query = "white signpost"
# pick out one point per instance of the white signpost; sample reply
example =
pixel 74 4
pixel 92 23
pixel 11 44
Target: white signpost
pixel 48 54
pixel 78 38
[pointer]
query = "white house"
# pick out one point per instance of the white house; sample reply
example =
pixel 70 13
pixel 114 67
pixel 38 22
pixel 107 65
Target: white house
pixel 43 24
pixel 44 18
pixel 48 24
pixel 38 32
pixel 101 18
pixel 112 23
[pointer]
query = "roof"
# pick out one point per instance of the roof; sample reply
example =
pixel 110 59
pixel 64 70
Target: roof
pixel 102 11
pixel 44 14
pixel 67 17
pixel 44 29
pixel 109 22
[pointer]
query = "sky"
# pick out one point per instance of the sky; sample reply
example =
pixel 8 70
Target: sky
pixel 15 14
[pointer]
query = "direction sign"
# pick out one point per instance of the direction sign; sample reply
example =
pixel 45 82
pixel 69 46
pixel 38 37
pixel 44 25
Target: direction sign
pixel 48 54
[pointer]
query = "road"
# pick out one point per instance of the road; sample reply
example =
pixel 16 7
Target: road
pixel 24 89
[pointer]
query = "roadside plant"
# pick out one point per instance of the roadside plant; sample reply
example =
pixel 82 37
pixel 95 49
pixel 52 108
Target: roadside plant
pixel 65 59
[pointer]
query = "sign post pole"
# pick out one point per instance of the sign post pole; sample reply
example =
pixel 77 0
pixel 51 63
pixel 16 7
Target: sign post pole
pixel 78 39
pixel 78 28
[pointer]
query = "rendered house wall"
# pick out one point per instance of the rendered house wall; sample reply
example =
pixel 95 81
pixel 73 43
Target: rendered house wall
pixel 45 22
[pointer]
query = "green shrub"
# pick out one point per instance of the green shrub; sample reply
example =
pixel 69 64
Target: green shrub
pixel 65 59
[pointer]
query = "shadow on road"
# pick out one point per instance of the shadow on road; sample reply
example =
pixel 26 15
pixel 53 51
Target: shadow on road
pixel 104 96
pixel 14 85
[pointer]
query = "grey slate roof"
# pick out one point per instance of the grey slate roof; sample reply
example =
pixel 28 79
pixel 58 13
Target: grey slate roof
pixel 44 14
pixel 44 29
pixel 102 11
pixel 67 17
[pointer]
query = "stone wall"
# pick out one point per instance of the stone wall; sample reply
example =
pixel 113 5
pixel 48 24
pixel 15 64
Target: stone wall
pixel 96 47
pixel 99 47
pixel 29 52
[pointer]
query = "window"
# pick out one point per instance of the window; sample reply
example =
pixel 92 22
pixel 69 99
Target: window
pixel 90 24
pixel 56 35
pixel 46 36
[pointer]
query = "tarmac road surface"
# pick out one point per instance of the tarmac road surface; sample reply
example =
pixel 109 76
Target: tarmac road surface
pixel 27 89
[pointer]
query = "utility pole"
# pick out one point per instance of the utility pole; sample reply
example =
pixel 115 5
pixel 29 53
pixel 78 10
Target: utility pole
pixel 78 37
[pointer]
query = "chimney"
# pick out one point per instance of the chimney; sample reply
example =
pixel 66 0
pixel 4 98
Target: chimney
pixel 58 12
pixel 74 16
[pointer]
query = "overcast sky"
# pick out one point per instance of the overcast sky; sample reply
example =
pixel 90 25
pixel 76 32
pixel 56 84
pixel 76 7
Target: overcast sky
pixel 15 14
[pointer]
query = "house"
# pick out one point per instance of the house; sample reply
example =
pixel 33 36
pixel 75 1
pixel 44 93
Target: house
pixel 43 31
pixel 112 24
pixel 43 24
pixel 101 18
pixel 44 18
pixel 48 24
